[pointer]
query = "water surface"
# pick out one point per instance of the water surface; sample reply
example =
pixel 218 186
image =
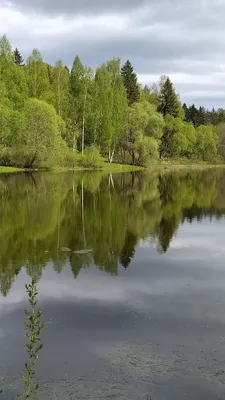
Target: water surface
pixel 131 278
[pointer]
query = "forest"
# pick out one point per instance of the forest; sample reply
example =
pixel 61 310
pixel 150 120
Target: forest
pixel 55 116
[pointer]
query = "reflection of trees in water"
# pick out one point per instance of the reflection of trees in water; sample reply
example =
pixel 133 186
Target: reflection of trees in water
pixel 86 219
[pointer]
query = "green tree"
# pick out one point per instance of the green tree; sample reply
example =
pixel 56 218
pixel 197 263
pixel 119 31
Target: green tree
pixel 18 58
pixel 42 128
pixel 220 130
pixel 11 127
pixel 80 79
pixel 139 147
pixel 6 49
pixel 60 89
pixel 130 82
pixel 179 138
pixel 147 94
pixel 109 107
pixel 189 132
pixel 102 109
pixel 37 75
pixel 206 142
pixel 13 87
pixel 193 115
pixel 155 124
pixel 168 101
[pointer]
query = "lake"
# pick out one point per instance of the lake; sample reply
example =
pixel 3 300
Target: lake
pixel 131 280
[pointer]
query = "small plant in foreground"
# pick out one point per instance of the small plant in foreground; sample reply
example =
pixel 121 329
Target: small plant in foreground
pixel 33 331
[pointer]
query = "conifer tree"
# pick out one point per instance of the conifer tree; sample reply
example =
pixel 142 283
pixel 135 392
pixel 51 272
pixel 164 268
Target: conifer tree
pixel 193 115
pixel 18 58
pixel 185 108
pixel 130 82
pixel 168 101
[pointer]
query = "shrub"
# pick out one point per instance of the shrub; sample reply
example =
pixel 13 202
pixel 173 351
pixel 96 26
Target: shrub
pixel 91 158
pixel 21 157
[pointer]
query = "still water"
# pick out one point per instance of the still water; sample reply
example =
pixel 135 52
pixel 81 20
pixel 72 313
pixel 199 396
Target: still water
pixel 131 279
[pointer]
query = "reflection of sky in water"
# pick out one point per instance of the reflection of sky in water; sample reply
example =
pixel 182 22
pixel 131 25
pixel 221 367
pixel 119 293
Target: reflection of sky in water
pixel 196 254
pixel 172 305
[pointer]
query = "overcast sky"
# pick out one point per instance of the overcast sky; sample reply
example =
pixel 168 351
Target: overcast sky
pixel 180 38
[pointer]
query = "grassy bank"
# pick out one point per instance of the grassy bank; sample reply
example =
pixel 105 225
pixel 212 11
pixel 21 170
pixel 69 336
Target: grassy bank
pixel 175 164
pixel 113 167
pixel 106 167
pixel 9 169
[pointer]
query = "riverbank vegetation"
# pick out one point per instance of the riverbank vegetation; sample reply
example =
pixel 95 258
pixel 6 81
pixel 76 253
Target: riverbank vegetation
pixel 55 116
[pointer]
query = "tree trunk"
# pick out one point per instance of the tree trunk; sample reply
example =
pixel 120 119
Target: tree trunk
pixel 111 155
pixel 74 141
pixel 83 122
pixel 59 94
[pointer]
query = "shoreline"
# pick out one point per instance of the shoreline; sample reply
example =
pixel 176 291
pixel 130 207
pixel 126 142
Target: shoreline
pixel 119 168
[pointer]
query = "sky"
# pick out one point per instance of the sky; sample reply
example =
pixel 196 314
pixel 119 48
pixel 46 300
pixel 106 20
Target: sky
pixel 181 39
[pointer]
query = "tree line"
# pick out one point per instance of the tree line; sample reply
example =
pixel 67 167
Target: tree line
pixel 81 219
pixel 53 115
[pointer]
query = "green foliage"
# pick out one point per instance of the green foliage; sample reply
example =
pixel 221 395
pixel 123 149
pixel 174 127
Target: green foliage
pixel 179 139
pixel 155 124
pixel 109 108
pixel 201 116
pixel 143 131
pixel 33 332
pixel 147 94
pixel 12 125
pixel 6 49
pixel 206 143
pixel 220 130
pixel 91 158
pixel 48 114
pixel 21 157
pixel 60 89
pixel 37 75
pixel 80 84
pixel 42 128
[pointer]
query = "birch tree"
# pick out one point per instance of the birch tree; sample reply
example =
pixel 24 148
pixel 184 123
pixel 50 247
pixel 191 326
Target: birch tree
pixel 37 75
pixel 80 80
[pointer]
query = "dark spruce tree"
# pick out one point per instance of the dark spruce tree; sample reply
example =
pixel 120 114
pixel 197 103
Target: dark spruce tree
pixel 193 115
pixel 201 117
pixel 168 101
pixel 186 114
pixel 18 58
pixel 130 82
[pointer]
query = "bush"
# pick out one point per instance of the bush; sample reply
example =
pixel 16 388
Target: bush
pixel 21 157
pixel 91 158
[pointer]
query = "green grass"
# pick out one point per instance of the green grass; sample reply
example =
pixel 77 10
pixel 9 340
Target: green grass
pixel 184 163
pixel 9 169
pixel 113 167
pixel 104 167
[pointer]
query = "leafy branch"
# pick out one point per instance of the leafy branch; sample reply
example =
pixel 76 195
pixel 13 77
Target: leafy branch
pixel 33 331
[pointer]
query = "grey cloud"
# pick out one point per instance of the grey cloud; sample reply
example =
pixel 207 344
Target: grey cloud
pixel 146 51
pixel 160 37
pixel 73 7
